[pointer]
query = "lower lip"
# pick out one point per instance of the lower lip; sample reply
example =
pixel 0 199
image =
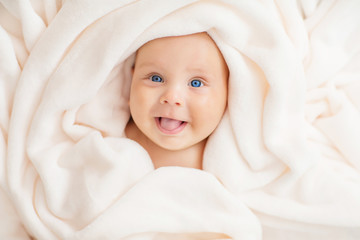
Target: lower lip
pixel 172 132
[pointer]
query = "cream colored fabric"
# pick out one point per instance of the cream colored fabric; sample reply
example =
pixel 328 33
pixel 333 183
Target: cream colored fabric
pixel 284 162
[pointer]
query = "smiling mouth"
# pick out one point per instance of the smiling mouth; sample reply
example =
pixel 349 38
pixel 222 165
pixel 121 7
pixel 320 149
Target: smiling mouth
pixel 170 126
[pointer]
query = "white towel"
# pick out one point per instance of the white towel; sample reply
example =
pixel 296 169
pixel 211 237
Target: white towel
pixel 283 163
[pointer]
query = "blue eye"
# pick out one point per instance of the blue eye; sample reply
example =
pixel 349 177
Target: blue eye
pixel 196 83
pixel 156 78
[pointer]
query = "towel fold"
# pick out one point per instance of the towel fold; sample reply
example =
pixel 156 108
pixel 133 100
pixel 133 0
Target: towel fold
pixel 283 163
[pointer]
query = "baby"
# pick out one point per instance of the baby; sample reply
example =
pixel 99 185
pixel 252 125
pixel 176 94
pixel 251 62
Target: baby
pixel 178 96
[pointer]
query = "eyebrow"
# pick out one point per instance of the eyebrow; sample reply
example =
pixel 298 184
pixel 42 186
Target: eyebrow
pixel 200 70
pixel 196 69
pixel 148 64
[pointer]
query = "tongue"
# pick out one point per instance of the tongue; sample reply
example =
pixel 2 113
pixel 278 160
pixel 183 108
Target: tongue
pixel 169 124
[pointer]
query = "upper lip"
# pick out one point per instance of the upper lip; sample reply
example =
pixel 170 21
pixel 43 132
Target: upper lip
pixel 173 118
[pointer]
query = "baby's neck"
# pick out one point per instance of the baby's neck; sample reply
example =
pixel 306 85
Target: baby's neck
pixel 190 157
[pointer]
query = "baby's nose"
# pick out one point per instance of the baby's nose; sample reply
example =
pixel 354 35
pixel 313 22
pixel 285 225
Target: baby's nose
pixel 172 97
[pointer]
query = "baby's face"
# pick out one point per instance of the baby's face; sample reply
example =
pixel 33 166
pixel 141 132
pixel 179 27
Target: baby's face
pixel 179 90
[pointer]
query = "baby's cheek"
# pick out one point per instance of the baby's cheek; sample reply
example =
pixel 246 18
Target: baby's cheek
pixel 218 103
pixel 141 95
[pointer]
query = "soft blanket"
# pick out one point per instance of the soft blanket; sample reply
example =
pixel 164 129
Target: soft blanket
pixel 284 163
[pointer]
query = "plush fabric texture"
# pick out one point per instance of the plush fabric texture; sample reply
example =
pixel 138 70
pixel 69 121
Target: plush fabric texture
pixel 284 163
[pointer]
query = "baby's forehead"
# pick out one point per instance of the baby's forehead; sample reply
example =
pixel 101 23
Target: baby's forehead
pixel 179 42
pixel 192 46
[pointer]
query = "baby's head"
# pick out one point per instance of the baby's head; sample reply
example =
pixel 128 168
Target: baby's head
pixel 179 90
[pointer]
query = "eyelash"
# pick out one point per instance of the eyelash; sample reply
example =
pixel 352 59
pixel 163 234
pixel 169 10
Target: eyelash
pixel 198 80
pixel 158 78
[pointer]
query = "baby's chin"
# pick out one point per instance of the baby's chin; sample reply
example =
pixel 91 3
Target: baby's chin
pixel 177 145
pixel 172 146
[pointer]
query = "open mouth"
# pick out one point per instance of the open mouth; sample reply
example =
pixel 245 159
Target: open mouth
pixel 170 126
